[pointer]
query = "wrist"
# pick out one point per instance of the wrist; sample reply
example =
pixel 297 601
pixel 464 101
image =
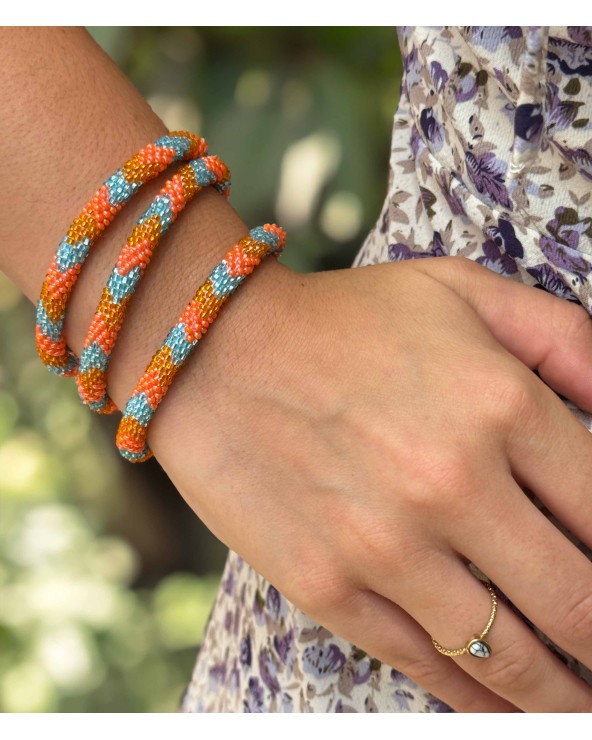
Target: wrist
pixel 57 166
pixel 194 244
pixel 243 350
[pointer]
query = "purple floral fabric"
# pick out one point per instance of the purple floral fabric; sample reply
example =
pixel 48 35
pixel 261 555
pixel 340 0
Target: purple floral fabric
pixel 261 654
pixel 492 160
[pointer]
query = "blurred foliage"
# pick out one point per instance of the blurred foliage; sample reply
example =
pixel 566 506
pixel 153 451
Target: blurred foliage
pixel 76 631
pixel 106 577
pixel 302 116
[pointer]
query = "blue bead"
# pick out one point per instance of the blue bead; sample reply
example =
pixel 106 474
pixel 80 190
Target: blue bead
pixel 122 286
pixel 162 207
pixel 51 329
pixel 224 284
pixel 259 234
pixel 222 187
pixel 203 176
pixel 93 357
pixel 119 188
pixel 179 143
pixel 180 347
pixel 138 407
pixel 69 255
pixel 72 364
pixel 134 456
pixel 98 405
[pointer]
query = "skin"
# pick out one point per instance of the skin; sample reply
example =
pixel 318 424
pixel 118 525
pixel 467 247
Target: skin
pixel 365 437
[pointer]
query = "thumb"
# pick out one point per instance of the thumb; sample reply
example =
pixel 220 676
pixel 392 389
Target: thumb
pixel 547 333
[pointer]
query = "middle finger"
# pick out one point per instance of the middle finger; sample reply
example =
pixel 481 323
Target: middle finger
pixel 452 605
pixel 534 564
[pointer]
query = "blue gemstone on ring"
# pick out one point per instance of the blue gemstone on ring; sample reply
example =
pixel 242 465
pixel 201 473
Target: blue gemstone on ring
pixel 479 648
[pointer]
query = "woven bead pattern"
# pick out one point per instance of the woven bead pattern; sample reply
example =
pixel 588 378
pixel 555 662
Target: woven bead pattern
pixel 129 269
pixel 86 228
pixel 191 325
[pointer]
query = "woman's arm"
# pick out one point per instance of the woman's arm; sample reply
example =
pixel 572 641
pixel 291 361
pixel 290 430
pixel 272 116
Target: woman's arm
pixel 70 118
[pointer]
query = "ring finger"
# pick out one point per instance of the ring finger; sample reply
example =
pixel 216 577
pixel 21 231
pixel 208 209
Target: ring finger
pixel 452 605
pixel 396 639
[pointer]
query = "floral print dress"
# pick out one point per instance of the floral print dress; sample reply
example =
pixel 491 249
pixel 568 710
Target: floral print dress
pixel 491 159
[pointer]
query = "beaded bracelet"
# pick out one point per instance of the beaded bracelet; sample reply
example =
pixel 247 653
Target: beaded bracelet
pixel 86 228
pixel 129 269
pixel 191 325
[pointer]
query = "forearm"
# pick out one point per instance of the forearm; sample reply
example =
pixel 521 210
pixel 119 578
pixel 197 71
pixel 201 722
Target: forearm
pixel 70 119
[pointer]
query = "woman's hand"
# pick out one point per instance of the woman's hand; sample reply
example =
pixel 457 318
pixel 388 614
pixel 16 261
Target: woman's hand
pixel 359 436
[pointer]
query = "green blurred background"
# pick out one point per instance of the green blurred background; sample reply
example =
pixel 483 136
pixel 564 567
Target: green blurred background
pixel 106 575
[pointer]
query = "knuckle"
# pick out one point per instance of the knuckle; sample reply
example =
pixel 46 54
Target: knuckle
pixel 319 591
pixel 472 703
pixel 424 669
pixel 453 266
pixel 441 481
pixel 359 538
pixel 373 547
pixel 577 323
pixel 576 622
pixel 388 558
pixel 370 543
pixel 513 669
pixel 509 395
pixel 460 262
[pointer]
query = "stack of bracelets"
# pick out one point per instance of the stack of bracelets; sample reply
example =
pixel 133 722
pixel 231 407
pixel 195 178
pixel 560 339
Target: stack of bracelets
pixel 201 170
